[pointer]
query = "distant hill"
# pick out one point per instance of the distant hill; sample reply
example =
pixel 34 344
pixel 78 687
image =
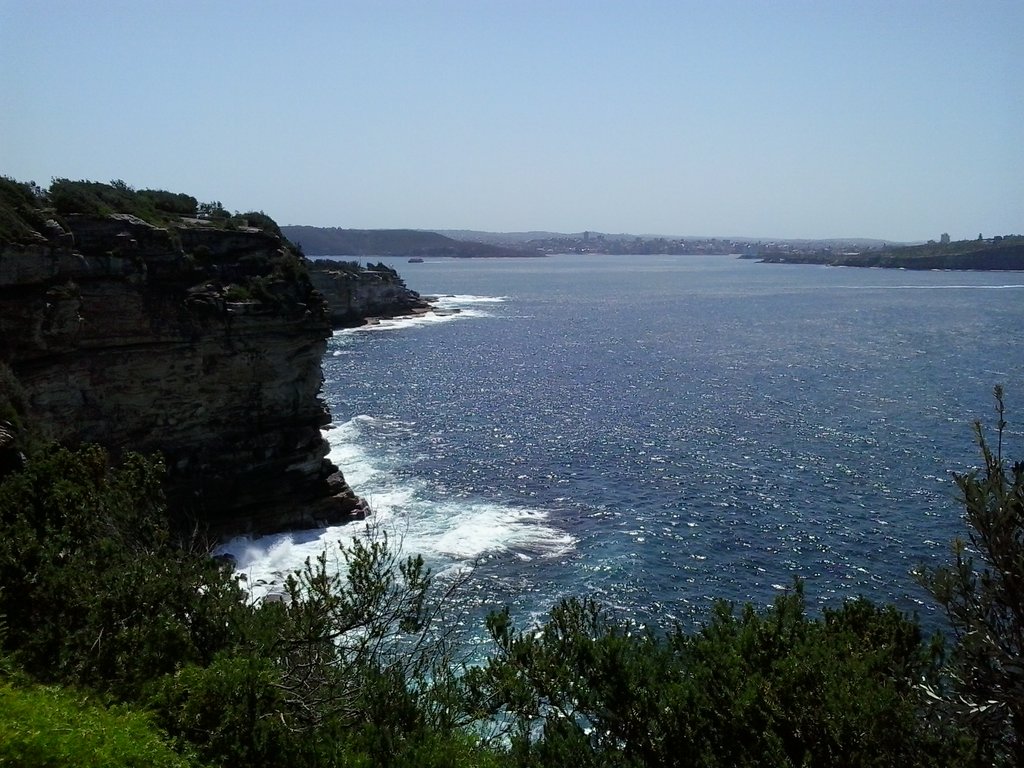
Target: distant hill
pixel 522 238
pixel 334 241
pixel 499 238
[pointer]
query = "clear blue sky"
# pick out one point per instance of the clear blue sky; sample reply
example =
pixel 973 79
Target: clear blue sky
pixel 888 119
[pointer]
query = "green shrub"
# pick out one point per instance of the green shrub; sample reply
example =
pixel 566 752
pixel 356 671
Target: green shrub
pixel 96 591
pixel 156 206
pixel 982 593
pixel 214 211
pixel 346 669
pixel 21 212
pixel 45 727
pixel 260 220
pixel 96 198
pixel 774 688
pixel 177 204
pixel 232 712
pixel 236 292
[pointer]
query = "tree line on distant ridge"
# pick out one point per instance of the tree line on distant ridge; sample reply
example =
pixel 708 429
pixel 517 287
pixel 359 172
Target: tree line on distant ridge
pixel 995 253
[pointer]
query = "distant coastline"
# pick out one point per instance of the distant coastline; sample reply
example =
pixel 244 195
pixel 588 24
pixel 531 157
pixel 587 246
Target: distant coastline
pixel 402 243
pixel 460 243
pixel 1001 253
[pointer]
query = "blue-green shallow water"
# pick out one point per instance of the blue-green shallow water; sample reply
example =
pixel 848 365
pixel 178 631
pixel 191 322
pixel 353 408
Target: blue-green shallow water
pixel 663 431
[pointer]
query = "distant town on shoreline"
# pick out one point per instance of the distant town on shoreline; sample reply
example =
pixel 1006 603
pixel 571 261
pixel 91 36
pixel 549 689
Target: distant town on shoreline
pixel 1001 252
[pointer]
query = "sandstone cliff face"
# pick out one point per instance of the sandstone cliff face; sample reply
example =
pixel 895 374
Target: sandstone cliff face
pixel 200 343
pixel 354 294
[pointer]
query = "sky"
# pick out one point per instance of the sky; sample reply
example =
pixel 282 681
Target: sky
pixel 847 118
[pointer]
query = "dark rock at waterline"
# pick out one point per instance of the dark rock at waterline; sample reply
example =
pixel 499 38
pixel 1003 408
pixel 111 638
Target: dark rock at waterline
pixel 11 458
pixel 355 294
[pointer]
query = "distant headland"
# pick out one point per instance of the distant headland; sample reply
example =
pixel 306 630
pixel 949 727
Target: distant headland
pixel 412 243
pixel 994 253
pixel 463 243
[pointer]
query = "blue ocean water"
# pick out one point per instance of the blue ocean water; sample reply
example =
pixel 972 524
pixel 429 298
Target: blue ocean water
pixel 659 432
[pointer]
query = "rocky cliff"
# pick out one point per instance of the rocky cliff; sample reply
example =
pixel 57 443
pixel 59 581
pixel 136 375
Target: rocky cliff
pixel 355 294
pixel 198 341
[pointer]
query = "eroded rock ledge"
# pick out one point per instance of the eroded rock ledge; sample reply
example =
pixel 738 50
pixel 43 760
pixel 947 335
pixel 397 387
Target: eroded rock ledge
pixel 355 294
pixel 198 342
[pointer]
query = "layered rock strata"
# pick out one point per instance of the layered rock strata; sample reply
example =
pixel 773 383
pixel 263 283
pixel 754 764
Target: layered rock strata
pixel 356 295
pixel 202 344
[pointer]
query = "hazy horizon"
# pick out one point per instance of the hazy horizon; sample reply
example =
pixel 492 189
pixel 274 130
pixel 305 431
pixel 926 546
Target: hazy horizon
pixel 687 235
pixel 534 233
pixel 794 120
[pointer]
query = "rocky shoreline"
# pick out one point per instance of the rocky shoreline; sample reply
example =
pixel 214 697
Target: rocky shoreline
pixel 357 295
pixel 198 342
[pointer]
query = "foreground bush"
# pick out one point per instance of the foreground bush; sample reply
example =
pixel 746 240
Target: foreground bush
pixel 750 689
pixel 45 727
pixel 982 593
pixel 352 665
pixel 95 590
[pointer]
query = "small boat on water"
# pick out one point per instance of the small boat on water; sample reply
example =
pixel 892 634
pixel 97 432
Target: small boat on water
pixel 415 260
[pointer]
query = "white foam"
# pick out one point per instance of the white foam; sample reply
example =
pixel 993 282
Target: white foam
pixel 461 299
pixel 451 534
pixel 445 309
pixel 465 532
pixel 347 453
pixel 265 562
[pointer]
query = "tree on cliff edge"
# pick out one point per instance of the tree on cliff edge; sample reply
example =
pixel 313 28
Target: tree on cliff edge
pixel 982 593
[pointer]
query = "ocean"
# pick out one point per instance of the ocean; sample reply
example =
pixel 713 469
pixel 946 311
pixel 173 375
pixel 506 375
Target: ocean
pixel 659 432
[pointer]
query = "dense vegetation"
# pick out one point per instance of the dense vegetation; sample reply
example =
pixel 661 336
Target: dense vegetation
pixel 93 197
pixel 124 646
pixel 21 215
pixel 268 272
pixel 25 208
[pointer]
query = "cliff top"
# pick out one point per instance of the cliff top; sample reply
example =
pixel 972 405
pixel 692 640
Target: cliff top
pixel 31 214
pixel 143 320
pixel 84 230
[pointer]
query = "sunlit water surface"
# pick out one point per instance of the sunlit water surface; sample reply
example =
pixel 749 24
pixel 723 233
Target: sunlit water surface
pixel 659 432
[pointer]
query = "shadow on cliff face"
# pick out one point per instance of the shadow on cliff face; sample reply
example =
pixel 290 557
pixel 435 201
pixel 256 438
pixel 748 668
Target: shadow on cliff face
pixel 355 294
pixel 189 333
